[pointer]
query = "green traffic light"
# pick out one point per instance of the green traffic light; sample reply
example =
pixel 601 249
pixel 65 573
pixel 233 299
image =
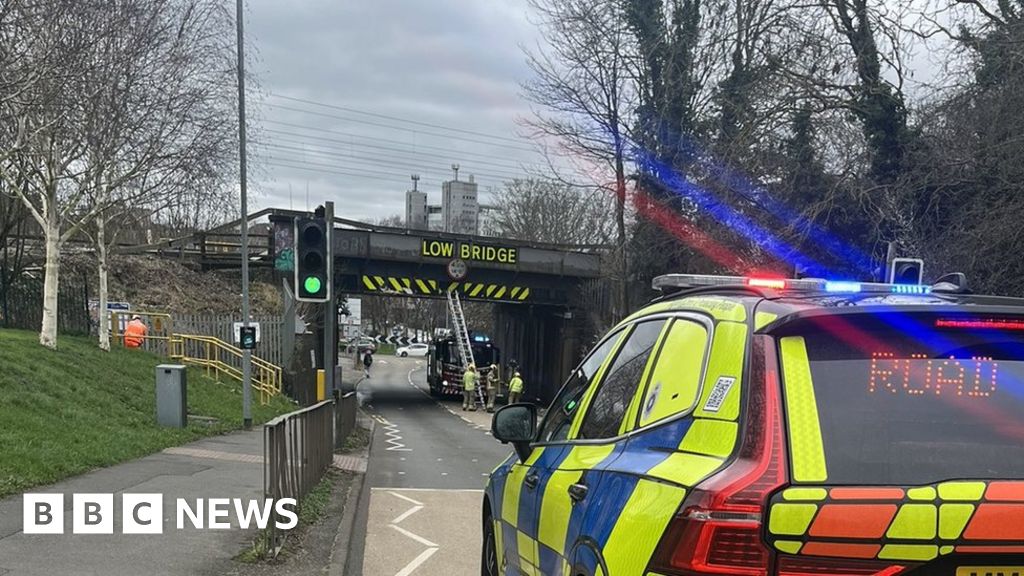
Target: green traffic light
pixel 312 284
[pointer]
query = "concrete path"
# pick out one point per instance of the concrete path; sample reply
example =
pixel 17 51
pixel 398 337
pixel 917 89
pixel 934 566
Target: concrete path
pixel 227 466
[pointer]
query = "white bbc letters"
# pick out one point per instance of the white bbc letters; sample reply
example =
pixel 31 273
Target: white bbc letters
pixel 92 514
pixel 42 514
pixel 142 513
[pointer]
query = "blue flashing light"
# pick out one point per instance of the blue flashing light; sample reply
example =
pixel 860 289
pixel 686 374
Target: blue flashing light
pixel 841 286
pixel 911 289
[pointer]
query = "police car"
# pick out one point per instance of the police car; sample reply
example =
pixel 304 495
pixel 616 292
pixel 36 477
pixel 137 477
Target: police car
pixel 752 426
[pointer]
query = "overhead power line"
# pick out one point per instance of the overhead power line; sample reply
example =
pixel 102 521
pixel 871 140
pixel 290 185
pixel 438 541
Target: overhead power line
pixel 358 142
pixel 402 177
pixel 397 119
pixel 328 169
pixel 382 125
pixel 498 173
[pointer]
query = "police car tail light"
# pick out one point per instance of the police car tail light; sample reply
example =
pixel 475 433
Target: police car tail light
pixel 718 529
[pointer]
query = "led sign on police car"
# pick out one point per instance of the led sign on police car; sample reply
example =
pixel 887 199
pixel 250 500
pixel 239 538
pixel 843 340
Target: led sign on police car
pixel 919 375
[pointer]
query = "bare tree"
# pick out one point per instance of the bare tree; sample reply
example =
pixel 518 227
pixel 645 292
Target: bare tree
pixel 159 121
pixel 110 108
pixel 553 212
pixel 583 87
pixel 42 122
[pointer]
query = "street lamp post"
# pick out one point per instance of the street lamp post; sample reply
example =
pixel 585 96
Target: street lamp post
pixel 246 353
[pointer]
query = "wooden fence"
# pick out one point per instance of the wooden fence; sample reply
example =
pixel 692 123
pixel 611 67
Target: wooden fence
pixel 221 326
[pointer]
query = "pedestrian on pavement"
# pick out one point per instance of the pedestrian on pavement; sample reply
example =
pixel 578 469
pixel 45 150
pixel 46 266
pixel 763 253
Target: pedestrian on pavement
pixel 135 332
pixel 492 387
pixel 469 380
pixel 515 388
pixel 367 362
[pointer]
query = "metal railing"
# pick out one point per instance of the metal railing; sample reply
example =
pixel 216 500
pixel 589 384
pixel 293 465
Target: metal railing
pixel 160 330
pixel 219 358
pixel 216 356
pixel 298 447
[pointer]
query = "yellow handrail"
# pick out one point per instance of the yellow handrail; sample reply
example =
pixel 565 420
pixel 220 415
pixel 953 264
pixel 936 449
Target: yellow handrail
pixel 210 353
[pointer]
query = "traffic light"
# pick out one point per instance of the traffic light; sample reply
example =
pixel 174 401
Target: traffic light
pixel 906 271
pixel 312 260
pixel 247 337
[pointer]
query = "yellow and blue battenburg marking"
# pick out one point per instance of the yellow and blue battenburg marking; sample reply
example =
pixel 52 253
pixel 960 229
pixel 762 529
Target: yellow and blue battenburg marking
pixel 635 483
pixel 428 287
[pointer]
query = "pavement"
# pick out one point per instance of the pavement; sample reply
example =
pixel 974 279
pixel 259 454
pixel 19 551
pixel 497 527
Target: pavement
pixel 423 491
pixel 228 466
pixel 415 512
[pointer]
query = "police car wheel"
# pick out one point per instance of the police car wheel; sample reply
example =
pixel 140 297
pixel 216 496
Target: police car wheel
pixel 404 354
pixel 489 557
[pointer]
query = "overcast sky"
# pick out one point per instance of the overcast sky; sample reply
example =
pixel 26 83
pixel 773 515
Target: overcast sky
pixel 359 94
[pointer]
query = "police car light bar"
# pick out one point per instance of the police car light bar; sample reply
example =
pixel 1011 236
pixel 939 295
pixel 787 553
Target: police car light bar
pixel 674 282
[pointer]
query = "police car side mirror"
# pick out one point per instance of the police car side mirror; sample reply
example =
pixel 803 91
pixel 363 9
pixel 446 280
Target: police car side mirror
pixel 516 424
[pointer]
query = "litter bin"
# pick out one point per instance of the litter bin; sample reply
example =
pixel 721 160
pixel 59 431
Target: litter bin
pixel 171 396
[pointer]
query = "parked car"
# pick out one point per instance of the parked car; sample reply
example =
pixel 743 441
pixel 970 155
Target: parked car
pixel 412 350
pixel 363 344
pixel 775 427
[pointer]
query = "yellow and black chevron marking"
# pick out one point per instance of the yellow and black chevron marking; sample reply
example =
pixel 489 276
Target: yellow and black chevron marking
pixel 424 287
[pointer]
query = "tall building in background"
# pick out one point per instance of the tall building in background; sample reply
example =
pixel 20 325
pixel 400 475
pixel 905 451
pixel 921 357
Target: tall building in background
pixel 416 207
pixel 488 221
pixel 435 218
pixel 459 205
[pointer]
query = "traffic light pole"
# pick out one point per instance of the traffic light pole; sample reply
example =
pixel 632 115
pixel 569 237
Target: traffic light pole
pixel 246 354
pixel 330 307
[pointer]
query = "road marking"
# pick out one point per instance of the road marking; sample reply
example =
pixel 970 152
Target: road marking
pixel 406 514
pixel 394 439
pixel 415 537
pixel 406 498
pixel 431 547
pixel 416 562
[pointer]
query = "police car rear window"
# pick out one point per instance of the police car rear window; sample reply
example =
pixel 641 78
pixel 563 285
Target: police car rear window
pixel 914 405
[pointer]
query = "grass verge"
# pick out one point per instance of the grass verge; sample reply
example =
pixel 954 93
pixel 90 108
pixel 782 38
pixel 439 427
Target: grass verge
pixel 311 509
pixel 68 411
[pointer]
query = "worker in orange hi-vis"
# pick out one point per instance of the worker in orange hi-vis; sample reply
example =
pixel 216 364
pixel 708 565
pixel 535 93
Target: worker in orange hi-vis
pixel 135 333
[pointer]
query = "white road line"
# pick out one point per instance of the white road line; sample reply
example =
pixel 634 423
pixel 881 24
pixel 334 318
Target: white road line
pixel 406 514
pixel 391 430
pixel 406 498
pixel 416 562
pixel 415 537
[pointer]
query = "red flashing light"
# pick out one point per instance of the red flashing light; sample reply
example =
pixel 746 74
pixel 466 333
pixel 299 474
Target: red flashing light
pixel 773 283
pixel 980 323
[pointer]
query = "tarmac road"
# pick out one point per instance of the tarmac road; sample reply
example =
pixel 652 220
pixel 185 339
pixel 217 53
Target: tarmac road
pixel 428 467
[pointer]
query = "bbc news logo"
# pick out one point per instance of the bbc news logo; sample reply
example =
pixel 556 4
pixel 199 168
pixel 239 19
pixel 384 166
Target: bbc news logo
pixel 144 513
